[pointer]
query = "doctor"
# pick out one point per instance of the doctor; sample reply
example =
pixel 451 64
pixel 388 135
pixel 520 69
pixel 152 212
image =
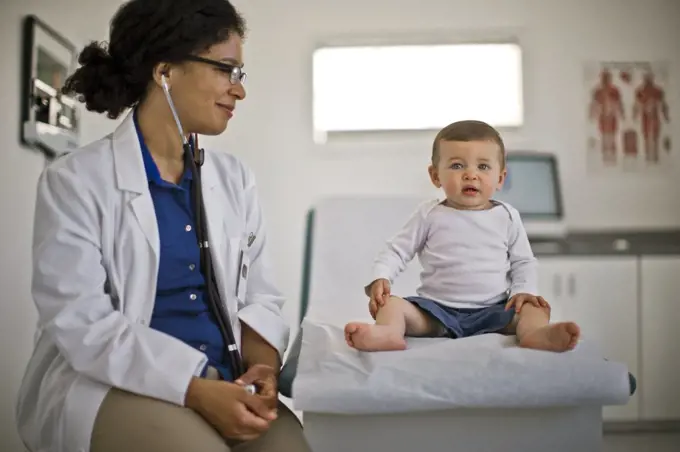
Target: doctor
pixel 129 355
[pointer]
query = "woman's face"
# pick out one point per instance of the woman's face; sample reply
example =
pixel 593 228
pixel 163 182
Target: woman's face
pixel 204 94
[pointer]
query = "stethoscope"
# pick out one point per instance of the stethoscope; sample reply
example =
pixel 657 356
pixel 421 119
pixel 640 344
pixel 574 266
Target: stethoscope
pixel 194 157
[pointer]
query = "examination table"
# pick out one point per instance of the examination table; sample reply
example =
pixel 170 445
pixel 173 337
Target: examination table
pixel 477 394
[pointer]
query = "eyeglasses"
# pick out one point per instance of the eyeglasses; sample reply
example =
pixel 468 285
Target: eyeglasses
pixel 236 73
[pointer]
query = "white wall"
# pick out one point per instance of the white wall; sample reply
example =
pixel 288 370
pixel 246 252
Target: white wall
pixel 19 170
pixel 272 129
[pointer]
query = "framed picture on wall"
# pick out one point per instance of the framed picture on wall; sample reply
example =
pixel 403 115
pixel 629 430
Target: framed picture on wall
pixel 629 125
pixel 49 120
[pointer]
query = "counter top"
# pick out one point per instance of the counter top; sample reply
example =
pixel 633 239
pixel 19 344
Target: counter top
pixel 619 243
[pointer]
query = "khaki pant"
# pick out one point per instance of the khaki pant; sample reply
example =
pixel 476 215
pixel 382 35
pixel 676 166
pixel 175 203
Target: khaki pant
pixel 128 422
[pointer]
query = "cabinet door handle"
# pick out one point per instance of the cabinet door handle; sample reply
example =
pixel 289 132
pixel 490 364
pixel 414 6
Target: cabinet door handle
pixel 557 285
pixel 571 285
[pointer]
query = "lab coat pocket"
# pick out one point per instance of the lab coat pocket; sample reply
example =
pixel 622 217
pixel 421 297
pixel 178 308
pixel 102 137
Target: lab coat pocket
pixel 242 272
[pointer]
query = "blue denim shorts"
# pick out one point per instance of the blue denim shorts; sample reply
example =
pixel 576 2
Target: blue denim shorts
pixel 464 322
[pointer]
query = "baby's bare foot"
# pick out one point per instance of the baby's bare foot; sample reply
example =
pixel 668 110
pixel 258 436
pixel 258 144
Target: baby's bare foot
pixel 557 337
pixel 373 338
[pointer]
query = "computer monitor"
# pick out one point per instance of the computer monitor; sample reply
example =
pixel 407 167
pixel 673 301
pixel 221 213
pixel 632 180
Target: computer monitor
pixel 533 188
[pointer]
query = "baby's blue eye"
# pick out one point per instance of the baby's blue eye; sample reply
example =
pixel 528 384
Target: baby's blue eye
pixel 456 166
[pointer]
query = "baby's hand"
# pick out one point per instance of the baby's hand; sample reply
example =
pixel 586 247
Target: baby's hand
pixel 380 292
pixel 519 299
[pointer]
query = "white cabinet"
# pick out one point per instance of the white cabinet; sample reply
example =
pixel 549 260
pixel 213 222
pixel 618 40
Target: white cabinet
pixel 600 294
pixel 660 320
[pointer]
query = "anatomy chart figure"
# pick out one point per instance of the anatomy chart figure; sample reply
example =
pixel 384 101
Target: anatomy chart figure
pixel 650 106
pixel 606 108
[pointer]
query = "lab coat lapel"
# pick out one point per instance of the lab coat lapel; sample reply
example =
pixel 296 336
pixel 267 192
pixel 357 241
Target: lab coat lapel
pixel 131 177
pixel 215 214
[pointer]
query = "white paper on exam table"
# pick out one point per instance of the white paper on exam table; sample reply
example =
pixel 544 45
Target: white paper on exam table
pixel 434 374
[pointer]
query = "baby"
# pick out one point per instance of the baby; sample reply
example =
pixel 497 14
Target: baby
pixel 479 272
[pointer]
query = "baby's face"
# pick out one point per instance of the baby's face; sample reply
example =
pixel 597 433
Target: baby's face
pixel 468 172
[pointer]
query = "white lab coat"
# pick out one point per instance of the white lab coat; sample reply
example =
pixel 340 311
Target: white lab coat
pixel 96 256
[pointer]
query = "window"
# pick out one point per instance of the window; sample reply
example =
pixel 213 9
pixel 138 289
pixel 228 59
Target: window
pixel 416 87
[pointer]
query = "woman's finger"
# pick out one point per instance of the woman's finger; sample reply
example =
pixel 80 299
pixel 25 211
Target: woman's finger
pixel 258 407
pixel 250 422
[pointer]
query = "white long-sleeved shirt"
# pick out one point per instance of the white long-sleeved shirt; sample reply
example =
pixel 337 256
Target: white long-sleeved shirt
pixel 470 258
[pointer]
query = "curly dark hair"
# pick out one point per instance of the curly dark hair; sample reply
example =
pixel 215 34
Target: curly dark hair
pixel 144 33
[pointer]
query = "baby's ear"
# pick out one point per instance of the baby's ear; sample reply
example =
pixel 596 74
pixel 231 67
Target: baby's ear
pixel 434 176
pixel 501 178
